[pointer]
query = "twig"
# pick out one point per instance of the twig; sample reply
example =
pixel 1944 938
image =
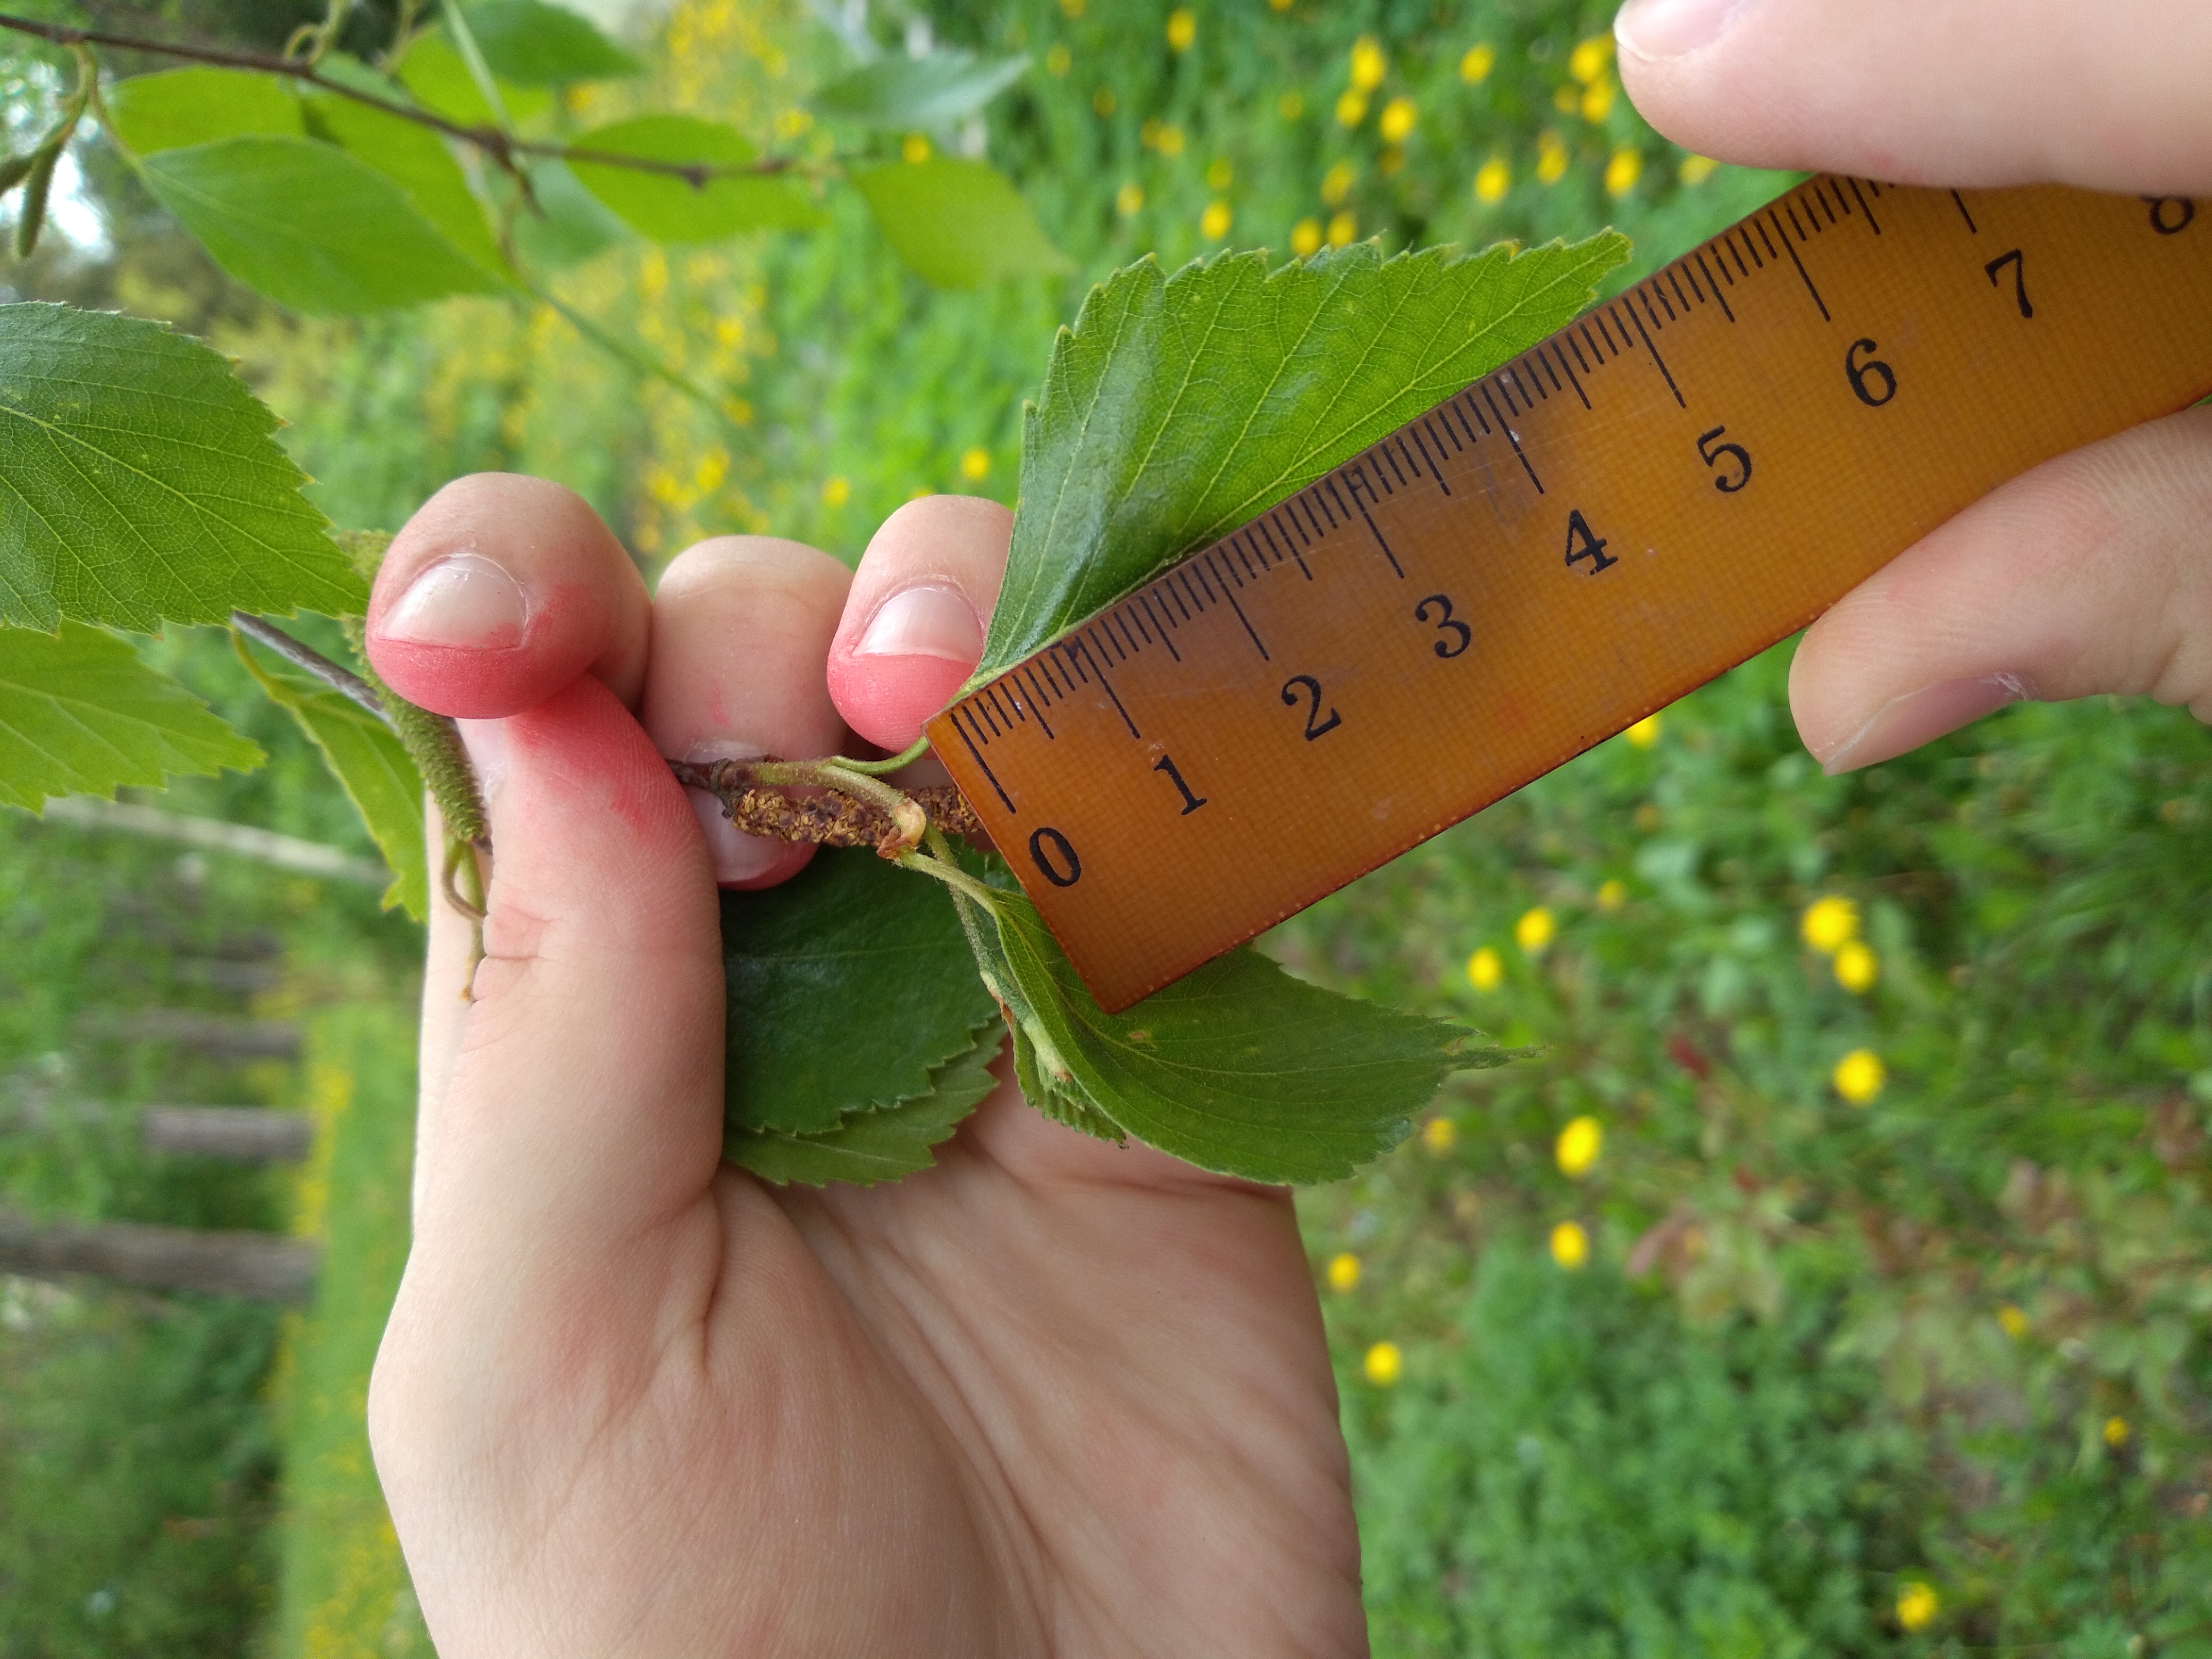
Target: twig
pixel 831 820
pixel 305 656
pixel 499 146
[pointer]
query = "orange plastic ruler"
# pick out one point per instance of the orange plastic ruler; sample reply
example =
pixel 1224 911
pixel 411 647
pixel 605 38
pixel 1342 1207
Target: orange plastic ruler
pixel 1689 473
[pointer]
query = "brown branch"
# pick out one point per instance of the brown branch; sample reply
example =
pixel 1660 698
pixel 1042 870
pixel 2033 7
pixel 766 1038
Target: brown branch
pixel 827 820
pixel 499 146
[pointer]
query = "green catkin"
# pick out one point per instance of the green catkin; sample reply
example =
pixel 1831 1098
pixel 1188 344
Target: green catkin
pixel 14 169
pixel 38 180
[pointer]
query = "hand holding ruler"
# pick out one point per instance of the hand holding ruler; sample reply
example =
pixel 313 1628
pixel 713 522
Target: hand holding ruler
pixel 1689 473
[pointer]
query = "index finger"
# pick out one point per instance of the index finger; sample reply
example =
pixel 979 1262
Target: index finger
pixel 1939 92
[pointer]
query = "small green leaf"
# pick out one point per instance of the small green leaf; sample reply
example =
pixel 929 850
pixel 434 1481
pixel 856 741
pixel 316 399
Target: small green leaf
pixel 902 93
pixel 871 1147
pixel 1179 407
pixel 417 159
pixel 848 985
pixel 309 225
pixel 80 714
pixel 441 83
pixel 668 209
pixel 956 223
pixel 372 766
pixel 534 45
pixel 1236 1068
pixel 142 484
pixel 178 108
pixel 568 226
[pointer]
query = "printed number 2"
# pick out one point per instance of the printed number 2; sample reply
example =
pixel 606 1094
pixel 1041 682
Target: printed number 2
pixel 1314 724
pixel 2018 260
pixel 1582 544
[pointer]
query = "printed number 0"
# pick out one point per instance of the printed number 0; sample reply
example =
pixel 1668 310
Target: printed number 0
pixel 1711 457
pixel 1315 724
pixel 1446 624
pixel 1873 368
pixel 2171 215
pixel 1055 856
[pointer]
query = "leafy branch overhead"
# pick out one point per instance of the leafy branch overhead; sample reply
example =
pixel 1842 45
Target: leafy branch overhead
pixel 332 186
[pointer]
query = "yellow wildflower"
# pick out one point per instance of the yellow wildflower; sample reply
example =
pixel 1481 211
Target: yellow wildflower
pixel 1475 65
pixel 1830 923
pixel 1305 238
pixel 1612 894
pixel 1280 5
pixel 1535 930
pixel 1857 968
pixel 2014 1320
pixel 1182 29
pixel 836 492
pixel 1644 732
pixel 1440 1134
pixel 2117 1432
pixel 1343 1273
pixel 1368 65
pixel 1597 101
pixel 1129 200
pixel 1570 1245
pixel 1491 180
pixel 1351 109
pixel 1485 968
pixel 1398 118
pixel 976 465
pixel 1858 1076
pixel 1336 183
pixel 1696 169
pixel 1384 1365
pixel 914 148
pixel 1622 172
pixel 1551 159
pixel 1588 59
pixel 1072 7
pixel 1566 100
pixel 1915 1604
pixel 1343 230
pixel 1058 60
pixel 1578 1145
pixel 1213 223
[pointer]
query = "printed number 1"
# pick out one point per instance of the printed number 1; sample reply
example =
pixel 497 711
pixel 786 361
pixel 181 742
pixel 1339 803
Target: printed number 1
pixel 1190 803
pixel 1582 544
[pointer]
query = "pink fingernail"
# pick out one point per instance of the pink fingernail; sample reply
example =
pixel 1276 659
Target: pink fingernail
pixel 924 622
pixel 737 856
pixel 1669 29
pixel 1922 716
pixel 462 600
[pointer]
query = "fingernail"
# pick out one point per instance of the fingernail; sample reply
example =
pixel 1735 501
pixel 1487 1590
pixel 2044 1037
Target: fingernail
pixel 1922 716
pixel 486 743
pixel 737 856
pixel 1668 28
pixel 464 600
pixel 924 622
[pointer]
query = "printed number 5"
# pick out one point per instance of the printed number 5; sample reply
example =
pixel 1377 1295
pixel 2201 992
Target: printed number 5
pixel 1711 457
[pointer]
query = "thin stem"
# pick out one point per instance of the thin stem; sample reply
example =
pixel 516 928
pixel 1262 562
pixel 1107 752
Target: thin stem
pixel 301 655
pixel 876 768
pixel 828 775
pixel 635 359
pixel 957 879
pixel 499 146
pixel 464 42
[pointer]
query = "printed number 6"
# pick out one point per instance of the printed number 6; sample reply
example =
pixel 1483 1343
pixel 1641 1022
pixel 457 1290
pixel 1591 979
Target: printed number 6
pixel 1711 457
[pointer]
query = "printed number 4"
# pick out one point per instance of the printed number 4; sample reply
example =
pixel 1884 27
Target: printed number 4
pixel 1582 544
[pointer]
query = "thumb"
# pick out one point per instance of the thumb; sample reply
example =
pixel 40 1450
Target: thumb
pixel 2092 574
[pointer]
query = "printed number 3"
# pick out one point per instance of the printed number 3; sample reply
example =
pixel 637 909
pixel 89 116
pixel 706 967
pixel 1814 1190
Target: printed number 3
pixel 1461 634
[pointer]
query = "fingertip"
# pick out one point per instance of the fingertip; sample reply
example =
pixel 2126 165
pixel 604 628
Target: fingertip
pixel 500 591
pixel 915 622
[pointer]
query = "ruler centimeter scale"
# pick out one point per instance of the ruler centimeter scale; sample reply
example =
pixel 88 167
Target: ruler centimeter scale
pixel 1691 473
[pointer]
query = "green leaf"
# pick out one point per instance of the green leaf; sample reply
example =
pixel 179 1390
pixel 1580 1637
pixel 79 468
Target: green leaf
pixel 1236 1068
pixel 534 45
pixel 179 108
pixel 309 225
pixel 667 209
pixel 569 224
pixel 80 714
pixel 1179 407
pixel 142 483
pixel 441 83
pixel 871 1147
pixel 958 224
pixel 848 986
pixel 417 159
pixel 902 93
pixel 373 767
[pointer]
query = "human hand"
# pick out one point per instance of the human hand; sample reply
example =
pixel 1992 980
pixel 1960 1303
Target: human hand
pixel 1049 1397
pixel 2093 572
